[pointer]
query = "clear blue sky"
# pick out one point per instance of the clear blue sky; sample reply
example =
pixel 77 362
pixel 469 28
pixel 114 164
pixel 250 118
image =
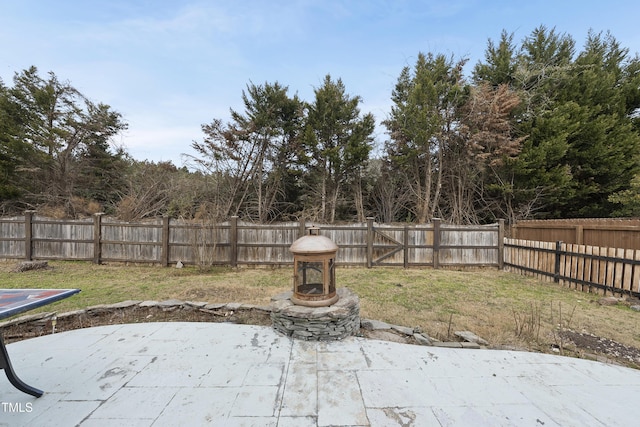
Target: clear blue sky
pixel 169 66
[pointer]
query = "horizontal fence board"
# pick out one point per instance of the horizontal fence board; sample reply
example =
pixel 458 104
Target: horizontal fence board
pixel 62 250
pixel 602 232
pixel 12 249
pixel 124 232
pixel 130 252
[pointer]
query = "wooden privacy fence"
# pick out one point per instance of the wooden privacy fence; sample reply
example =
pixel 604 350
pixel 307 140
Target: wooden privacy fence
pixel 583 267
pixel 167 241
pixel 605 232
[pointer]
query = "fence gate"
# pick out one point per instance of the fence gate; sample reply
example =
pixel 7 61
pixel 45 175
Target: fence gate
pixel 384 246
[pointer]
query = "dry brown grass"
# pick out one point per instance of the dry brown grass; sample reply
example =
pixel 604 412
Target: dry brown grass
pixel 505 309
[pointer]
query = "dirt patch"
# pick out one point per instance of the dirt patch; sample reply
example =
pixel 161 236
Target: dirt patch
pixel 135 314
pixel 624 354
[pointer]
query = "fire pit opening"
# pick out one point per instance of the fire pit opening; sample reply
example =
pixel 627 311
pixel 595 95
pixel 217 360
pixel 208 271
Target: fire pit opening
pixel 314 277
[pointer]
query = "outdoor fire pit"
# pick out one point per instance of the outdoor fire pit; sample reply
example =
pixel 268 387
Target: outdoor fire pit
pixel 315 310
pixel 314 276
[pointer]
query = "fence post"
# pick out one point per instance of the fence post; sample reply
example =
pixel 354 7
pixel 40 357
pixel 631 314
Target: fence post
pixel 500 244
pixel 302 227
pixel 579 234
pixel 28 235
pixel 405 243
pixel 436 242
pixel 97 237
pixel 556 271
pixel 233 236
pixel 165 242
pixel 369 241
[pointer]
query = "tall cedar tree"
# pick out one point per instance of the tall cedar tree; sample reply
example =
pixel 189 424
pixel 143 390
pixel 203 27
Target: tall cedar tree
pixel 56 136
pixel 578 117
pixel 13 152
pixel 422 127
pixel 338 142
pixel 254 158
pixel 604 148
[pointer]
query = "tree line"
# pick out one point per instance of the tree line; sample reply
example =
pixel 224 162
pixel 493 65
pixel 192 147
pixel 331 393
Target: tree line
pixel 539 130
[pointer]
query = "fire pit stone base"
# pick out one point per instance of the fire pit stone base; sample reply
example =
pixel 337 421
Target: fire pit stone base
pixel 330 323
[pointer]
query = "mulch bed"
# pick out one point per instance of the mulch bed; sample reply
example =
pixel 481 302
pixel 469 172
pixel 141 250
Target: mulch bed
pixel 48 325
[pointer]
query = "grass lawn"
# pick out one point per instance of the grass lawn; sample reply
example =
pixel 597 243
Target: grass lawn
pixel 504 308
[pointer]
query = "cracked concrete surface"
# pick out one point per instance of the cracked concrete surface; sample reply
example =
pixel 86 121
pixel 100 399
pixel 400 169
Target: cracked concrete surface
pixel 161 374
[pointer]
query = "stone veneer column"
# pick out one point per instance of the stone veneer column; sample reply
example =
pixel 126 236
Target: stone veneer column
pixel 337 321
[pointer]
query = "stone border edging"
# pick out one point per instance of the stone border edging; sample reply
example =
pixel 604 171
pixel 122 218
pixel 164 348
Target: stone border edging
pixel 227 310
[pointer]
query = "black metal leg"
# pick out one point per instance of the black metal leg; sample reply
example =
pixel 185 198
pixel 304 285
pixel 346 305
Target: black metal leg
pixel 5 364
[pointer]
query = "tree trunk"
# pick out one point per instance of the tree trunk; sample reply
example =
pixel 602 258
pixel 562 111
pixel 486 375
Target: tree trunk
pixel 359 200
pixel 323 196
pixel 436 197
pixel 334 202
pixel 424 211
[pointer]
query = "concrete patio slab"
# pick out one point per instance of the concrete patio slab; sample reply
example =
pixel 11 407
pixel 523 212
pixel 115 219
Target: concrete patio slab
pixel 218 374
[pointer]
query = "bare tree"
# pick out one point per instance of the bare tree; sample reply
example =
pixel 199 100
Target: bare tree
pixel 487 145
pixel 252 156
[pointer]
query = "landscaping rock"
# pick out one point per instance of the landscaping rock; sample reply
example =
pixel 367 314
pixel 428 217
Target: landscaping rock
pixel 69 314
pixel 403 330
pixel 422 340
pixel 100 308
pixel 123 304
pixel 374 325
pixel 471 337
pixel 170 303
pixel 609 301
pixel 196 304
pixel 448 344
pixel 282 296
pixel 471 345
pixel 28 318
pixel 386 336
pixel 217 306
pixel 31 265
pixel 635 307
pixel 149 304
